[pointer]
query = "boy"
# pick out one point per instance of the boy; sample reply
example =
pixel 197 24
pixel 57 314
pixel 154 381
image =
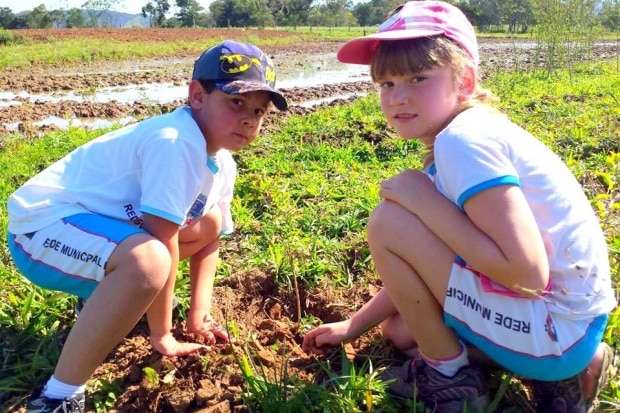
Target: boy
pixel 110 221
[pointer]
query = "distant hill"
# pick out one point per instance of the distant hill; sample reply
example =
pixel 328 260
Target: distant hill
pixel 116 18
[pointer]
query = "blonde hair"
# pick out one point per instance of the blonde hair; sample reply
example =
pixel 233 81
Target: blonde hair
pixel 407 56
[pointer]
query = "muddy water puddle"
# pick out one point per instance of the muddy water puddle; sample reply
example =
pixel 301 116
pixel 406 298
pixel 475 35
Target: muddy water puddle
pixel 133 90
pixel 317 70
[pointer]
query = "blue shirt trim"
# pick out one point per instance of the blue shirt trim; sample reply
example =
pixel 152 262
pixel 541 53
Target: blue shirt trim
pixel 432 169
pixel 500 180
pixel 212 164
pixel 162 214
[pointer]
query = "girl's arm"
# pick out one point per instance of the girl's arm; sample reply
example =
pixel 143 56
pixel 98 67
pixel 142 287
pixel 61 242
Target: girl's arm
pixel 497 235
pixel 372 313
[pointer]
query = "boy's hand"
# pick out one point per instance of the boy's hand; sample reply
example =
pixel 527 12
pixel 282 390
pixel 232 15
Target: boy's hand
pixel 208 328
pixel 169 346
pixel 327 334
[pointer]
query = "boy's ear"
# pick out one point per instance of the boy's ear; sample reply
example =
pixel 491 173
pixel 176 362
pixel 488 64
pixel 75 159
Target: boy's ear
pixel 467 83
pixel 197 95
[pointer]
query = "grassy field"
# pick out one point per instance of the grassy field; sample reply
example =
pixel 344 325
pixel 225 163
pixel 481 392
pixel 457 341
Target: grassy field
pixel 19 50
pixel 302 202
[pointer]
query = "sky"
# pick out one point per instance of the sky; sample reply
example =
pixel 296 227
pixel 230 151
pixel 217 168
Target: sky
pixel 127 6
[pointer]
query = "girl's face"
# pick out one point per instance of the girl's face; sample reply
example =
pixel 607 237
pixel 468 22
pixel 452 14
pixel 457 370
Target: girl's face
pixel 420 105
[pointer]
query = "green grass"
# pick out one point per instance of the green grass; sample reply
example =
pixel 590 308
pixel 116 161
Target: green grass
pixel 83 50
pixel 302 202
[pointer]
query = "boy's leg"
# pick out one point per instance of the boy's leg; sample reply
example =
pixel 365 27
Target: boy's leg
pixel 136 271
pixel 117 265
pixel 200 243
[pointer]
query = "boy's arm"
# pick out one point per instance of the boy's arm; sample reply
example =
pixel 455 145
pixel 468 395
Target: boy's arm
pixel 498 235
pixel 159 314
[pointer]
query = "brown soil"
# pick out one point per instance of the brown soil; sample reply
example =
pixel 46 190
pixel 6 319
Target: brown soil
pixel 144 34
pixel 268 334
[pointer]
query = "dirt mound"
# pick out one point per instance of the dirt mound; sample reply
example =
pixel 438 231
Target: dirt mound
pixel 262 322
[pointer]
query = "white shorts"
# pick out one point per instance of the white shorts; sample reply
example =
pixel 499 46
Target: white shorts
pixel 518 333
pixel 71 254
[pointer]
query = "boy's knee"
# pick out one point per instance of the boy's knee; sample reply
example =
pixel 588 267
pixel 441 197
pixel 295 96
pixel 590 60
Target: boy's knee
pixel 211 225
pixel 146 259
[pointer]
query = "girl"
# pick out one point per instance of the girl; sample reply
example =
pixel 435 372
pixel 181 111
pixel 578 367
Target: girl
pixel 493 245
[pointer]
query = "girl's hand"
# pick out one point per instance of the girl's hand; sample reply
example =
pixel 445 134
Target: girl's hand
pixel 327 334
pixel 407 189
pixel 205 326
pixel 169 346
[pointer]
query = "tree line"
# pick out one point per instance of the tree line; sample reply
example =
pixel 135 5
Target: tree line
pixel 510 15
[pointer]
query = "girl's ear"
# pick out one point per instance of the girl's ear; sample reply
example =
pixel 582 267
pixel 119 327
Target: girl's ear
pixel 467 83
pixel 197 95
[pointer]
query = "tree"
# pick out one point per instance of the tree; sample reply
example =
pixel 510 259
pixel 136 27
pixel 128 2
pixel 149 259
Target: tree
pixel 156 11
pixel 39 18
pixel 241 13
pixel 57 17
pixel 75 18
pixel 374 11
pixel 610 15
pixel 7 18
pixel 290 12
pixel 189 12
pixel 332 13
pixel 517 14
pixel 485 13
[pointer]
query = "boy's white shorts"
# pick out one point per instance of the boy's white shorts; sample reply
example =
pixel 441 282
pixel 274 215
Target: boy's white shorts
pixel 518 333
pixel 71 254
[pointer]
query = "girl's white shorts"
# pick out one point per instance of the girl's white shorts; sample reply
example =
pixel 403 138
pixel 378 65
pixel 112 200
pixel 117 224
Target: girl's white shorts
pixel 518 333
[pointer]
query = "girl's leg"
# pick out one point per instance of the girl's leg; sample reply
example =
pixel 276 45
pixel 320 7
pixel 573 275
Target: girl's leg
pixel 135 273
pixel 395 331
pixel 415 266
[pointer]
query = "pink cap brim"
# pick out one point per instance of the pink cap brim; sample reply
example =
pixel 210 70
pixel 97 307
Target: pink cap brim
pixel 361 50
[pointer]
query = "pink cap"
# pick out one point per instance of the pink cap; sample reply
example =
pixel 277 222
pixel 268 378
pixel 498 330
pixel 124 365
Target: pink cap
pixel 412 20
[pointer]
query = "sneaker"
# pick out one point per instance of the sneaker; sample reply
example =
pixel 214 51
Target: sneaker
pixel 79 306
pixel 42 404
pixel 465 392
pixel 566 396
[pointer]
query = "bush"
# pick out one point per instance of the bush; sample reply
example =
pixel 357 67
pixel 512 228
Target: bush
pixel 6 37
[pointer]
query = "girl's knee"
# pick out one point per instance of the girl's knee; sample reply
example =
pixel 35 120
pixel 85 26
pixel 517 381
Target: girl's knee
pixel 387 220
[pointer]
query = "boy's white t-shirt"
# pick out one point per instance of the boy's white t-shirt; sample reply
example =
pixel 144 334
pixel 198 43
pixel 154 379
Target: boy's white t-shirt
pixel 158 166
pixel 481 149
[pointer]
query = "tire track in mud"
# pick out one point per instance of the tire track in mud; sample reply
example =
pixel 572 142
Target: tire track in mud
pixel 497 54
pixel 29 112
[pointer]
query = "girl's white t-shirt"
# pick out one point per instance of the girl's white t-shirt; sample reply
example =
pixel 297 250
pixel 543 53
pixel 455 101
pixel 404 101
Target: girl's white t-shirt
pixel 481 149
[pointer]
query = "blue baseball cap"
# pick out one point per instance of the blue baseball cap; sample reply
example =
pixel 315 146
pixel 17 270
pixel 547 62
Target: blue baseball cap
pixel 238 68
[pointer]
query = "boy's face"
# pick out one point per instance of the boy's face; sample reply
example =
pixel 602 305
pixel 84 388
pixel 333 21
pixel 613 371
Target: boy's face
pixel 421 104
pixel 228 121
